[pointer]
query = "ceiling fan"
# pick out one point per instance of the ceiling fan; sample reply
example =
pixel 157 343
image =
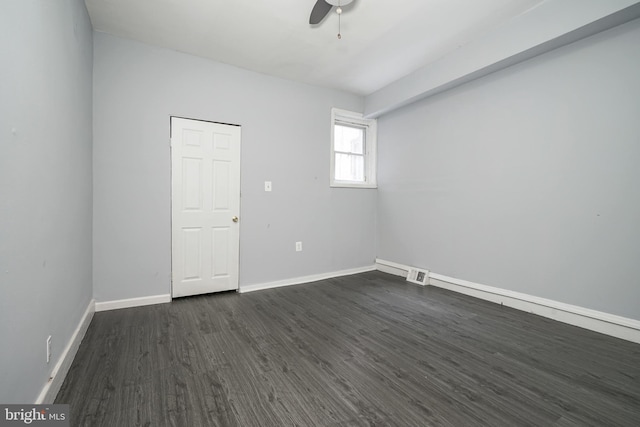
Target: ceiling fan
pixel 322 8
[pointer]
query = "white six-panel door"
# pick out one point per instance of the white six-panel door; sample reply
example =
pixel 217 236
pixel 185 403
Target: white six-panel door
pixel 205 187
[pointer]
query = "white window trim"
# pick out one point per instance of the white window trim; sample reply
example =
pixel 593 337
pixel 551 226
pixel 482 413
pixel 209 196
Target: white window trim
pixel 370 149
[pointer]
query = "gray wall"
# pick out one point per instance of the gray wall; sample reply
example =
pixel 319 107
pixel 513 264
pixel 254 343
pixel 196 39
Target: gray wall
pixel 527 179
pixel 45 186
pixel 285 139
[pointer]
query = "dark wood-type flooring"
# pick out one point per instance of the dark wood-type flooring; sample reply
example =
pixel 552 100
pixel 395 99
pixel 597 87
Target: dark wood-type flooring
pixel 361 350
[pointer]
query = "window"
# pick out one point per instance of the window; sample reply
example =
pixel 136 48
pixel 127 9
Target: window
pixel 353 150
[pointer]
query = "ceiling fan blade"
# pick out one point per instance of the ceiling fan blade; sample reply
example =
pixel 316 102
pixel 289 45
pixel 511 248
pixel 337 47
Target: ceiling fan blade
pixel 319 11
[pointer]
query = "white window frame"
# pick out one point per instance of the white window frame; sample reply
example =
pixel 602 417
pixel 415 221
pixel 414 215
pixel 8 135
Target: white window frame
pixel 339 116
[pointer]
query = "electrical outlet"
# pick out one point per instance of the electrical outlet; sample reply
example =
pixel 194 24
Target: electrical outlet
pixel 267 186
pixel 49 349
pixel 298 246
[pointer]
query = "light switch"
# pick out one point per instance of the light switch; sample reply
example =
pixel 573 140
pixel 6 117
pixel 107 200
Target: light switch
pixel 267 186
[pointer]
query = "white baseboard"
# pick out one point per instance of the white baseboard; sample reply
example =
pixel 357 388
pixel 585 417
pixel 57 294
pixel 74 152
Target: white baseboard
pixel 133 302
pixel 605 323
pixel 305 279
pixel 52 387
pixel 392 268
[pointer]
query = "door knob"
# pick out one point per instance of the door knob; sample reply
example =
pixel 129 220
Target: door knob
pixel 234 219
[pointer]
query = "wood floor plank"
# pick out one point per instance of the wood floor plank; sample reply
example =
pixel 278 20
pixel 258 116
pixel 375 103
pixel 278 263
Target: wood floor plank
pixel 362 350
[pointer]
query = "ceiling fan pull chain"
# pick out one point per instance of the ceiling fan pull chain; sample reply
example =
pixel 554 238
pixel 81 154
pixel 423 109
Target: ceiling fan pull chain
pixel 339 12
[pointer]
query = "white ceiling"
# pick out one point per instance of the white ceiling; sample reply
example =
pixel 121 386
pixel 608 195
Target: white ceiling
pixel 382 40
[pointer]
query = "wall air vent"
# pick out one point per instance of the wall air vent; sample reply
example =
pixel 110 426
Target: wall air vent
pixel 420 277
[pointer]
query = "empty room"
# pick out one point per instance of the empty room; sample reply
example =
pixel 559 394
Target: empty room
pixel 320 213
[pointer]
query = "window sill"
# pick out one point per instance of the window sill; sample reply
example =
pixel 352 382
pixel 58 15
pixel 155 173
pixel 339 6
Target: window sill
pixel 351 185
